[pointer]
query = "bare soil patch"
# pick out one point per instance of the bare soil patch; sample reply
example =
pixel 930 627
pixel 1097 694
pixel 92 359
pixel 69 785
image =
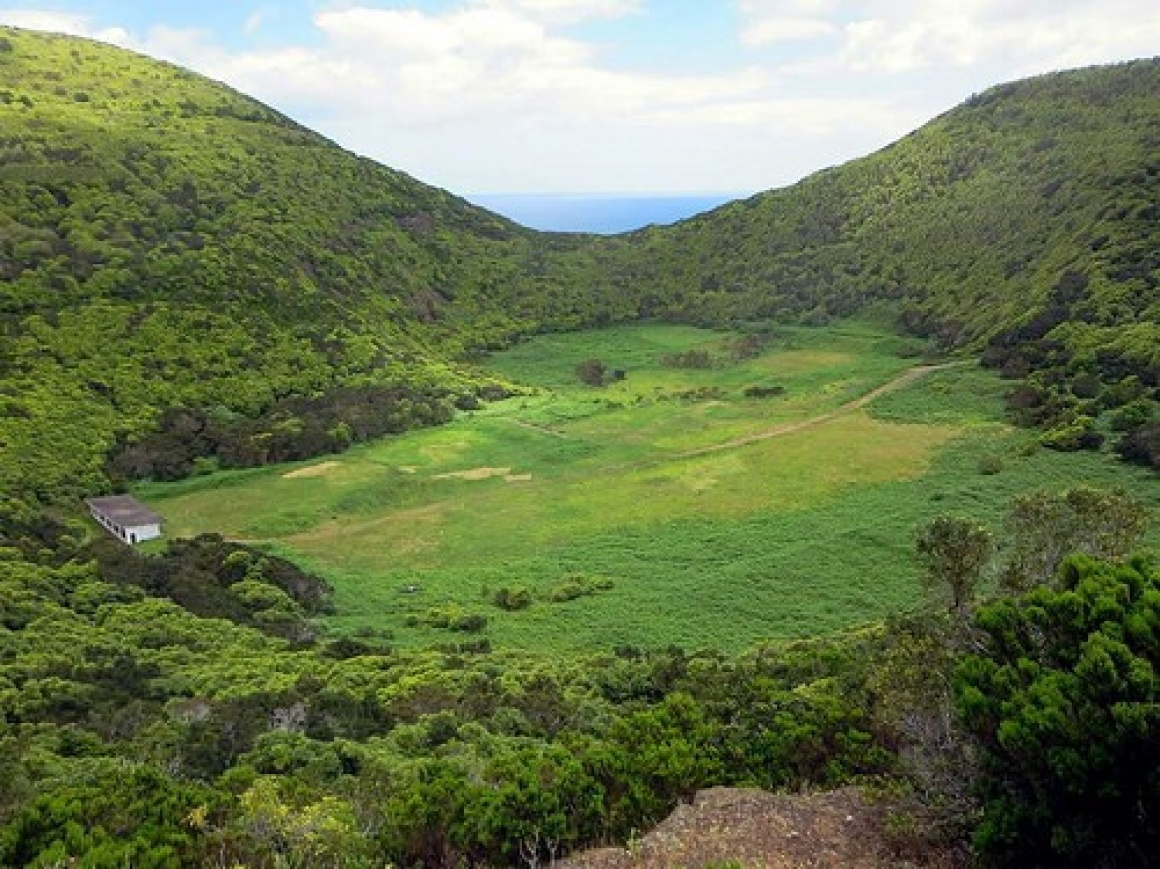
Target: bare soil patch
pixel 542 429
pixel 761 830
pixel 319 470
pixel 475 474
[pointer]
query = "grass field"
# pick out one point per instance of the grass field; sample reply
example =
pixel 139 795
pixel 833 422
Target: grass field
pixel 628 513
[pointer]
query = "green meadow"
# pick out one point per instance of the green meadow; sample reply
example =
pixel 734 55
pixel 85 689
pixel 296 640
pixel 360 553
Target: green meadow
pixel 665 508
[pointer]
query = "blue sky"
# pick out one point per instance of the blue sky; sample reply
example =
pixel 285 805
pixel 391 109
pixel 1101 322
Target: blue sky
pixel 649 96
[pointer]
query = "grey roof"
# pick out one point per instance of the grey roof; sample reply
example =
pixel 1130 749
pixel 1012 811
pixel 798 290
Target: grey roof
pixel 124 510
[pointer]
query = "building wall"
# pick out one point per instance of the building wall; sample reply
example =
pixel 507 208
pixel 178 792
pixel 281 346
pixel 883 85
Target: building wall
pixel 137 533
pixel 128 534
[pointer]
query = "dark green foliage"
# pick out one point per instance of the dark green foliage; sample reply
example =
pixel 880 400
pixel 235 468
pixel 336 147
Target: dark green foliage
pixel 191 280
pixel 453 618
pixel 290 430
pixel 117 815
pixel 578 586
pixel 168 243
pixel 1063 703
pixel 35 534
pixel 1075 433
pixel 217 579
pixel 475 757
pixel 763 391
pixel 1021 223
pixel 1141 445
pixel 695 358
pixel 593 372
pixel 990 465
pixel 749 346
pixel 1134 415
pixel 512 599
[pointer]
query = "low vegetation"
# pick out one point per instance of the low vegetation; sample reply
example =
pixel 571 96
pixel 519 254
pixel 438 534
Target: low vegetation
pixel 704 547
pixel 236 744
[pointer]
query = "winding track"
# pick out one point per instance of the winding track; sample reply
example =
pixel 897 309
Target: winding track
pixel 905 378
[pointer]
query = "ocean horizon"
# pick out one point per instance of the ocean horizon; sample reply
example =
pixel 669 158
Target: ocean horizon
pixel 601 213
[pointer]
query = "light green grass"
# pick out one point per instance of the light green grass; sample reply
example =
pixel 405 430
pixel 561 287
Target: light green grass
pixel 799 534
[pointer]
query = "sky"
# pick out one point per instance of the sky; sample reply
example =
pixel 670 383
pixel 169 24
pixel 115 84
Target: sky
pixel 624 96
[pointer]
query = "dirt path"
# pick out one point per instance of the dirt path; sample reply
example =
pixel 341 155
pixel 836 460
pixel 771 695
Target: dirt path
pixel 542 429
pixel 904 379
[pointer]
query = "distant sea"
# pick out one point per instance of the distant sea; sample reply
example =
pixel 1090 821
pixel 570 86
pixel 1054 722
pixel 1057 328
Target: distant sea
pixel 597 212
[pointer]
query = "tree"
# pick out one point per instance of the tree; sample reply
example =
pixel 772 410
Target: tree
pixel 1063 704
pixel 912 683
pixel 592 372
pixel 1047 527
pixel 1141 445
pixel 954 551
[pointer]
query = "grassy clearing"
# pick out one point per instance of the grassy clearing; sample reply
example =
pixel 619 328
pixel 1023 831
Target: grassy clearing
pixel 576 487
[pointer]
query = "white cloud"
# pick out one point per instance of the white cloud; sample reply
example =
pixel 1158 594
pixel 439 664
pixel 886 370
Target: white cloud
pixel 480 61
pixel 509 95
pixel 571 11
pixel 71 23
pixel 255 21
pixel 778 29
pixel 893 37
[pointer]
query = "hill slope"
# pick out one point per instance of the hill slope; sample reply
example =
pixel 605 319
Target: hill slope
pixel 1026 216
pixel 168 243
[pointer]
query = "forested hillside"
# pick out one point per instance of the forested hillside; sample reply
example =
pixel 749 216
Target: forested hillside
pixel 167 243
pixel 1023 223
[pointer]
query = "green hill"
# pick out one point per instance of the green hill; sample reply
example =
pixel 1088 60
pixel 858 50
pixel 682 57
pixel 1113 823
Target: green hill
pixel 1024 222
pixel 167 243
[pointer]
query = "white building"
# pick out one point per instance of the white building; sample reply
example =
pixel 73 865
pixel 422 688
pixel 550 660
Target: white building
pixel 125 518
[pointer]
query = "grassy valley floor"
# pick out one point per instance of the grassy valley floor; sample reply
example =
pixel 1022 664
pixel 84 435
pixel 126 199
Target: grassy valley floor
pixel 665 508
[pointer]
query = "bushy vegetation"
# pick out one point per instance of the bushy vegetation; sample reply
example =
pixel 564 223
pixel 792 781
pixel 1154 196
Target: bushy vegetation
pixel 1022 224
pixel 188 441
pixel 233 742
pixel 167 243
pixel 1062 699
pixel 191 281
pixel 182 740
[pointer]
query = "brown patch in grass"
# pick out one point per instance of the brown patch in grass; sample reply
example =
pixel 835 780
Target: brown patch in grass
pixel 319 470
pixel 518 478
pixel 405 532
pixel 475 474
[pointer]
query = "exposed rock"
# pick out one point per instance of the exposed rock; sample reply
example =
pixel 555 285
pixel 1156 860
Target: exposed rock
pixel 761 830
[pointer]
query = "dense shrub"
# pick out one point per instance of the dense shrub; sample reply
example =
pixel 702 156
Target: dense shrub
pixel 1141 445
pixel 290 430
pixel 1062 701
pixel 512 599
pixel 763 391
pixel 697 359
pixel 592 372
